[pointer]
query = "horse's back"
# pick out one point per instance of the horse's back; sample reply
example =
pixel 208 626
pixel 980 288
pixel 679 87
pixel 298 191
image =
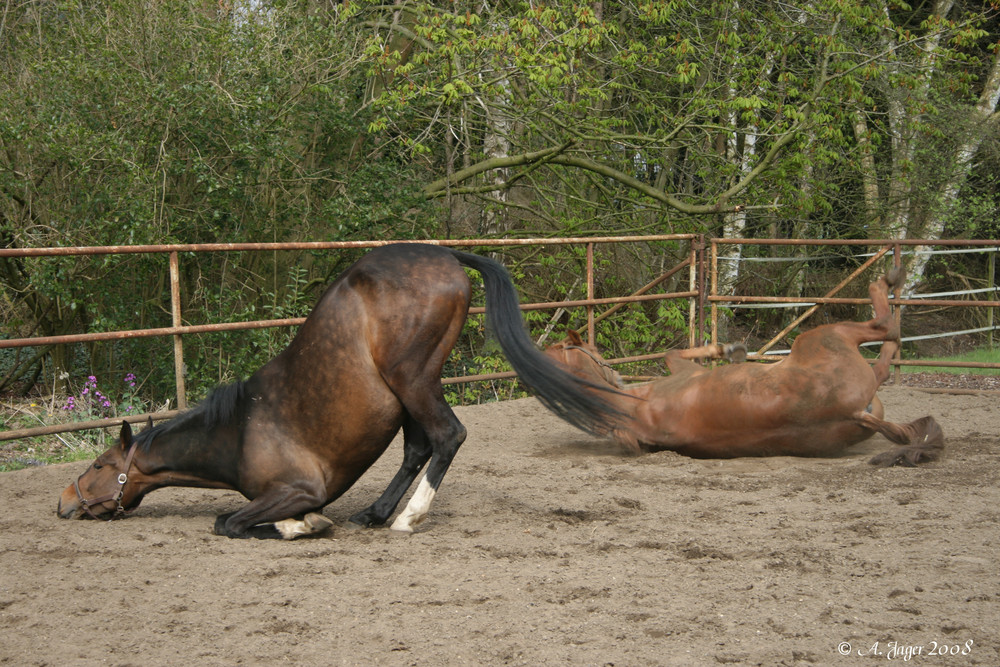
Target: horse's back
pixel 392 294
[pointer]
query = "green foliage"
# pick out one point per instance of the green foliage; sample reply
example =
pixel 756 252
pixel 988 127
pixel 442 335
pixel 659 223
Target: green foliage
pixel 136 123
pixel 128 122
pixel 979 356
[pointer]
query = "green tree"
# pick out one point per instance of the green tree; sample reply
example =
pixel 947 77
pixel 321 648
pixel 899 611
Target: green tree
pixel 129 122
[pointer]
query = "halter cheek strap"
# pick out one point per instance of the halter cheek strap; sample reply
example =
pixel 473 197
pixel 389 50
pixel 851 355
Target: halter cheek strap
pixel 597 360
pixel 115 495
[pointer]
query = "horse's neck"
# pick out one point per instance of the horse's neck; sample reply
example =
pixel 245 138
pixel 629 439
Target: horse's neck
pixel 623 396
pixel 193 457
pixel 597 375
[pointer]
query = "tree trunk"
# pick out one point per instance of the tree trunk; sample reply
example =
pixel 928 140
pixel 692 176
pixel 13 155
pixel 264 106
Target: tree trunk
pixel 984 112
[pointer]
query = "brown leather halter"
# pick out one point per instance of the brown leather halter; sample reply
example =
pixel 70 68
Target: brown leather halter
pixel 115 495
pixel 597 360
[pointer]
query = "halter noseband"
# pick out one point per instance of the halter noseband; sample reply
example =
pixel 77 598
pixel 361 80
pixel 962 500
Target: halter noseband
pixel 596 359
pixel 611 376
pixel 115 495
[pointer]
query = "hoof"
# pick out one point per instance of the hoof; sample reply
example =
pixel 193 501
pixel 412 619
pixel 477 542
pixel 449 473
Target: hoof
pixel 401 529
pixel 317 522
pixel 366 519
pixel 311 524
pixel 220 525
pixel 735 353
pixel 895 276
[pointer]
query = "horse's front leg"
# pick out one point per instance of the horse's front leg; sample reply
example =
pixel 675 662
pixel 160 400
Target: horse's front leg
pixel 284 512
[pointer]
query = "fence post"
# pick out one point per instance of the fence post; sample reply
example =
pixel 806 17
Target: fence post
pixel 591 335
pixel 897 261
pixel 175 311
pixel 714 290
pixel 695 304
pixel 991 281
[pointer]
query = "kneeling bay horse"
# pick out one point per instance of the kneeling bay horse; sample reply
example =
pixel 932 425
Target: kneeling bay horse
pixel 301 430
pixel 818 401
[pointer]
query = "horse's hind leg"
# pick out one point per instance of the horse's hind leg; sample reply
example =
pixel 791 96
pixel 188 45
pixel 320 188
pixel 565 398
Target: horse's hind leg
pixel 286 529
pixel 309 524
pixel 416 451
pixel 883 365
pixel 922 440
pixel 444 435
pixel 884 326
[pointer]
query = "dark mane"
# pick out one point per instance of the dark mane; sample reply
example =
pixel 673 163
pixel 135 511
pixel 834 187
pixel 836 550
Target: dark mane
pixel 221 408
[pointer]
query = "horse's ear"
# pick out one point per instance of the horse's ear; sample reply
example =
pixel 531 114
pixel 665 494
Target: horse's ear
pixel 125 436
pixel 149 423
pixel 573 337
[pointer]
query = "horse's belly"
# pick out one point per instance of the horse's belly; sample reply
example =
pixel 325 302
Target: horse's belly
pixel 829 439
pixel 335 440
pixel 703 426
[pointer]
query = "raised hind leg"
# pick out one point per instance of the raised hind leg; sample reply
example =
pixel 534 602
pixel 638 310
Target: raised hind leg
pixel 882 328
pixel 416 451
pixel 922 440
pixel 883 324
pixel 883 365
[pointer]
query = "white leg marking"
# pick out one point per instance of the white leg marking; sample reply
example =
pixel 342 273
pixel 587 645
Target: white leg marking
pixel 292 528
pixel 416 510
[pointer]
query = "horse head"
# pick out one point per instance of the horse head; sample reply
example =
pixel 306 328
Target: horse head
pixel 583 359
pixel 111 486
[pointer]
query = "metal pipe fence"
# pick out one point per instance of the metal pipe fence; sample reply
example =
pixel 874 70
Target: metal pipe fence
pixel 882 248
pixel 702 259
pixel 178 330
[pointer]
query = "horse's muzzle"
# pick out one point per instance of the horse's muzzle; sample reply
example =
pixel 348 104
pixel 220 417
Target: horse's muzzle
pixel 69 505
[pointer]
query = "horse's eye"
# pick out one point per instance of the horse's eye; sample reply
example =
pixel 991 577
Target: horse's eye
pixel 98 466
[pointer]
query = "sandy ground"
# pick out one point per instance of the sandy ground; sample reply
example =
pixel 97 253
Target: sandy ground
pixel 544 547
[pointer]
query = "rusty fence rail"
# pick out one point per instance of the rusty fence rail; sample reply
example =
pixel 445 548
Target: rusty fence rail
pixel 178 330
pixel 704 301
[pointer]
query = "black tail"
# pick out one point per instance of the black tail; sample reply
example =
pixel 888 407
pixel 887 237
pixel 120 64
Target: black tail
pixel 583 404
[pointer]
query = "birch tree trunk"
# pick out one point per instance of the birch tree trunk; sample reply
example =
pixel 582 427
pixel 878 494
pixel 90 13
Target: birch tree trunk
pixel 869 176
pixel 985 112
pixel 496 145
pixel 734 223
pixel 902 129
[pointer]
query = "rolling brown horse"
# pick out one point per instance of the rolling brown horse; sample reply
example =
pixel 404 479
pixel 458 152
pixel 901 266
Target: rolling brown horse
pixel 818 401
pixel 301 430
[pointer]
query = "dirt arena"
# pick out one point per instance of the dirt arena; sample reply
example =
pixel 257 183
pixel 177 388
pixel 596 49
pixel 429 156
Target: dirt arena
pixel 543 547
